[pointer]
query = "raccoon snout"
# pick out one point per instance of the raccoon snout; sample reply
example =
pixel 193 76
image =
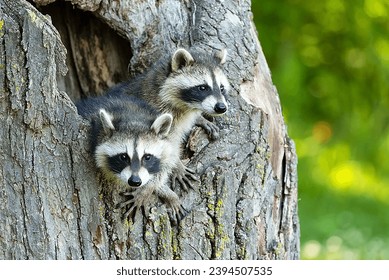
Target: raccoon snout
pixel 134 181
pixel 220 108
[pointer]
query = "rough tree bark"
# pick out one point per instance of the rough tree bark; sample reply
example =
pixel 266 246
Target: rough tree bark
pixel 53 203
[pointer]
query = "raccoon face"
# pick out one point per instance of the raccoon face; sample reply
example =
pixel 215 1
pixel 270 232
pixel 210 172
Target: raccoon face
pixel 133 159
pixel 134 165
pixel 199 85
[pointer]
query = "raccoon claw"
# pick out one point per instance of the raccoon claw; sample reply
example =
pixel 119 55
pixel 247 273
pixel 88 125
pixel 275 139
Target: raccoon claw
pixel 210 128
pixel 185 179
pixel 179 213
pixel 125 203
pixel 131 211
pixel 190 172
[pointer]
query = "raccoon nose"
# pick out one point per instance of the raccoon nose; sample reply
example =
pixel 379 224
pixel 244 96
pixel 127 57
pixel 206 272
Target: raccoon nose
pixel 220 108
pixel 134 181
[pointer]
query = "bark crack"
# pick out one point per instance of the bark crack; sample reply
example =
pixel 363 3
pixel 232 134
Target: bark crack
pixel 192 21
pixel 76 202
pixel 73 56
pixel 26 243
pixel 283 196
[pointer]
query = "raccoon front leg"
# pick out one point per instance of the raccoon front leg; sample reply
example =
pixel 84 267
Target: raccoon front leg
pixel 136 198
pixel 210 128
pixel 184 176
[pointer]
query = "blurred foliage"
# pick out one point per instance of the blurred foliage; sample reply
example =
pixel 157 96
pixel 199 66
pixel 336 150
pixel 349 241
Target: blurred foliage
pixel 330 63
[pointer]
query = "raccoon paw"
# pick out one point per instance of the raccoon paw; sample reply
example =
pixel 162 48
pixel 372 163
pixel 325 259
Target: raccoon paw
pixel 185 178
pixel 130 207
pixel 178 213
pixel 129 201
pixel 135 199
pixel 131 213
pixel 210 128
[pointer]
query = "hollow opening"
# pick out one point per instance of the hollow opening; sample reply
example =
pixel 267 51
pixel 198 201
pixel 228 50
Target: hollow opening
pixel 97 57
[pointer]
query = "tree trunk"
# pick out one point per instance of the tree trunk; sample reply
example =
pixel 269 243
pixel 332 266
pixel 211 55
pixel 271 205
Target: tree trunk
pixel 53 202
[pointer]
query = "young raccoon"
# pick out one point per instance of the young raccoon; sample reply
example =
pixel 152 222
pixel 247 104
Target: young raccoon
pixel 185 84
pixel 130 145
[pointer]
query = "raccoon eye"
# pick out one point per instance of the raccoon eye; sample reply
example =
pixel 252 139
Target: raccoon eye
pixel 124 157
pixel 147 157
pixel 221 88
pixel 202 87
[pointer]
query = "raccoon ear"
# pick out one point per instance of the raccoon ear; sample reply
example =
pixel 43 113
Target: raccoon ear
pixel 221 56
pixel 181 58
pixel 106 120
pixel 162 124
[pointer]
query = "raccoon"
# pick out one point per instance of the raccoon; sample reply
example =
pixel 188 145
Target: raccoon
pixel 130 145
pixel 184 84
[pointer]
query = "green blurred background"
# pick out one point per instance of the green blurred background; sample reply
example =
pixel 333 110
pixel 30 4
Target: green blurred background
pixel 330 63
